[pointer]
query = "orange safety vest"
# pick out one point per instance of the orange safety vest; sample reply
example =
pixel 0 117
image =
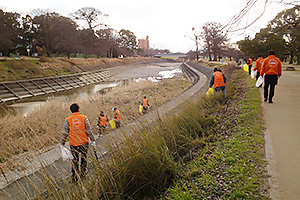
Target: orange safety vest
pixel 258 64
pixel 271 65
pixel 145 102
pixel 118 115
pixel 77 132
pixel 249 61
pixel 218 79
pixel 103 120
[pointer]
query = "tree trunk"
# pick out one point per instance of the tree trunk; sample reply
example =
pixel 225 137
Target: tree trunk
pixel 209 53
pixel 298 56
pixel 291 60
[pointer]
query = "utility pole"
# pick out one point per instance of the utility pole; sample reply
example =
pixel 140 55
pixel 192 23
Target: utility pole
pixel 196 41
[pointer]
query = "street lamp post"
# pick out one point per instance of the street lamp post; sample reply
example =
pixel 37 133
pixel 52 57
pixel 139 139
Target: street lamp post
pixel 28 52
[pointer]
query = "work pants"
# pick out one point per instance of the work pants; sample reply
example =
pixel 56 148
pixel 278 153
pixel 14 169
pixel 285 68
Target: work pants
pixel 270 80
pixel 145 109
pixel 102 130
pixel 257 75
pixel 249 69
pixel 79 152
pixel 218 89
pixel 118 123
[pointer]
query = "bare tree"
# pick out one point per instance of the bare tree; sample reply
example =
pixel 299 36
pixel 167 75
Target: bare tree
pixel 195 38
pixel 90 15
pixel 236 22
pixel 214 38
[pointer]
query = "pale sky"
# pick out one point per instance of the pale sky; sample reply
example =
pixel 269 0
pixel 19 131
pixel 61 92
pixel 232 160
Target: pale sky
pixel 166 22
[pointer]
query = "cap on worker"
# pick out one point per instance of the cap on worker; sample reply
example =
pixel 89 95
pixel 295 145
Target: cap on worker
pixel 114 108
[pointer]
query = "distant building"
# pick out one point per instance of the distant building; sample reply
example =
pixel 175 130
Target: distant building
pixel 143 43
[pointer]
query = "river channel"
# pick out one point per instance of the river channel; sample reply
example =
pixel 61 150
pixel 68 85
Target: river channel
pixel 153 72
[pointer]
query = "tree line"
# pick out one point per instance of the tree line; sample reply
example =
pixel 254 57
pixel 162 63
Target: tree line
pixel 46 33
pixel 282 34
pixel 214 43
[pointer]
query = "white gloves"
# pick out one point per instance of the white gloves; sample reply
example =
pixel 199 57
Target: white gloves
pixel 93 143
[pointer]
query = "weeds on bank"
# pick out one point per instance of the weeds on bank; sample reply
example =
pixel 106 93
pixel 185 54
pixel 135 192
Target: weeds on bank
pixel 146 162
pixel 210 149
pixel 231 167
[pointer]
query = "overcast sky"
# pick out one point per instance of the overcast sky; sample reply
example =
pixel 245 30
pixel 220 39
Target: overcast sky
pixel 166 22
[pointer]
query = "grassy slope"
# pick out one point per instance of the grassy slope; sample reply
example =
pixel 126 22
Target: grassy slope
pixel 24 68
pixel 231 165
pixel 213 149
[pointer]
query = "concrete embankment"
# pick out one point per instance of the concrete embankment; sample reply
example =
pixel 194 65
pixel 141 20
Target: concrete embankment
pixel 20 184
pixel 91 74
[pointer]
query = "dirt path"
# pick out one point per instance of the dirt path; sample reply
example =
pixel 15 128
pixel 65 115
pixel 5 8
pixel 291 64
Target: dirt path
pixel 283 137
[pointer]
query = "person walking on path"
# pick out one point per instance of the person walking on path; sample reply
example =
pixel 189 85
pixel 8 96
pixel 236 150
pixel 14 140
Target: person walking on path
pixel 102 123
pixel 249 63
pixel 271 67
pixel 258 64
pixel 218 80
pixel 145 105
pixel 117 117
pixel 77 128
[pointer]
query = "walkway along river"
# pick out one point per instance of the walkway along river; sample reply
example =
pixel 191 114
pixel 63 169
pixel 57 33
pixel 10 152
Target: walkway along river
pixel 16 184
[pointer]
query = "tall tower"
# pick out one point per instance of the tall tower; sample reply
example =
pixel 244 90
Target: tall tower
pixel 143 43
pixel 147 41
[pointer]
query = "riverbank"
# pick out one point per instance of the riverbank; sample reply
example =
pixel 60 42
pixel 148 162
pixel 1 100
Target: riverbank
pixel 42 127
pixel 28 68
pixel 212 148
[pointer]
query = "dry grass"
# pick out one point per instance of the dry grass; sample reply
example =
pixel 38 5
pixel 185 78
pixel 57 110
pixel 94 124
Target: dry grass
pixel 43 127
pixel 27 68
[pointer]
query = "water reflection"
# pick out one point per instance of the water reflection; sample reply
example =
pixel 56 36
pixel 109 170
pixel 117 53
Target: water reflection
pixel 26 106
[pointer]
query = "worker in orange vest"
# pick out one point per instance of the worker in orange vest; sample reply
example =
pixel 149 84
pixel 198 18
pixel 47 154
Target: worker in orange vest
pixel 145 105
pixel 102 123
pixel 271 67
pixel 117 117
pixel 258 64
pixel 218 80
pixel 77 128
pixel 249 63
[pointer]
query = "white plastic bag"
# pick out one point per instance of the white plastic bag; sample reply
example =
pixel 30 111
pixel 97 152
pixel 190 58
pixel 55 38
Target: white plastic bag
pixel 259 81
pixel 252 73
pixel 65 153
